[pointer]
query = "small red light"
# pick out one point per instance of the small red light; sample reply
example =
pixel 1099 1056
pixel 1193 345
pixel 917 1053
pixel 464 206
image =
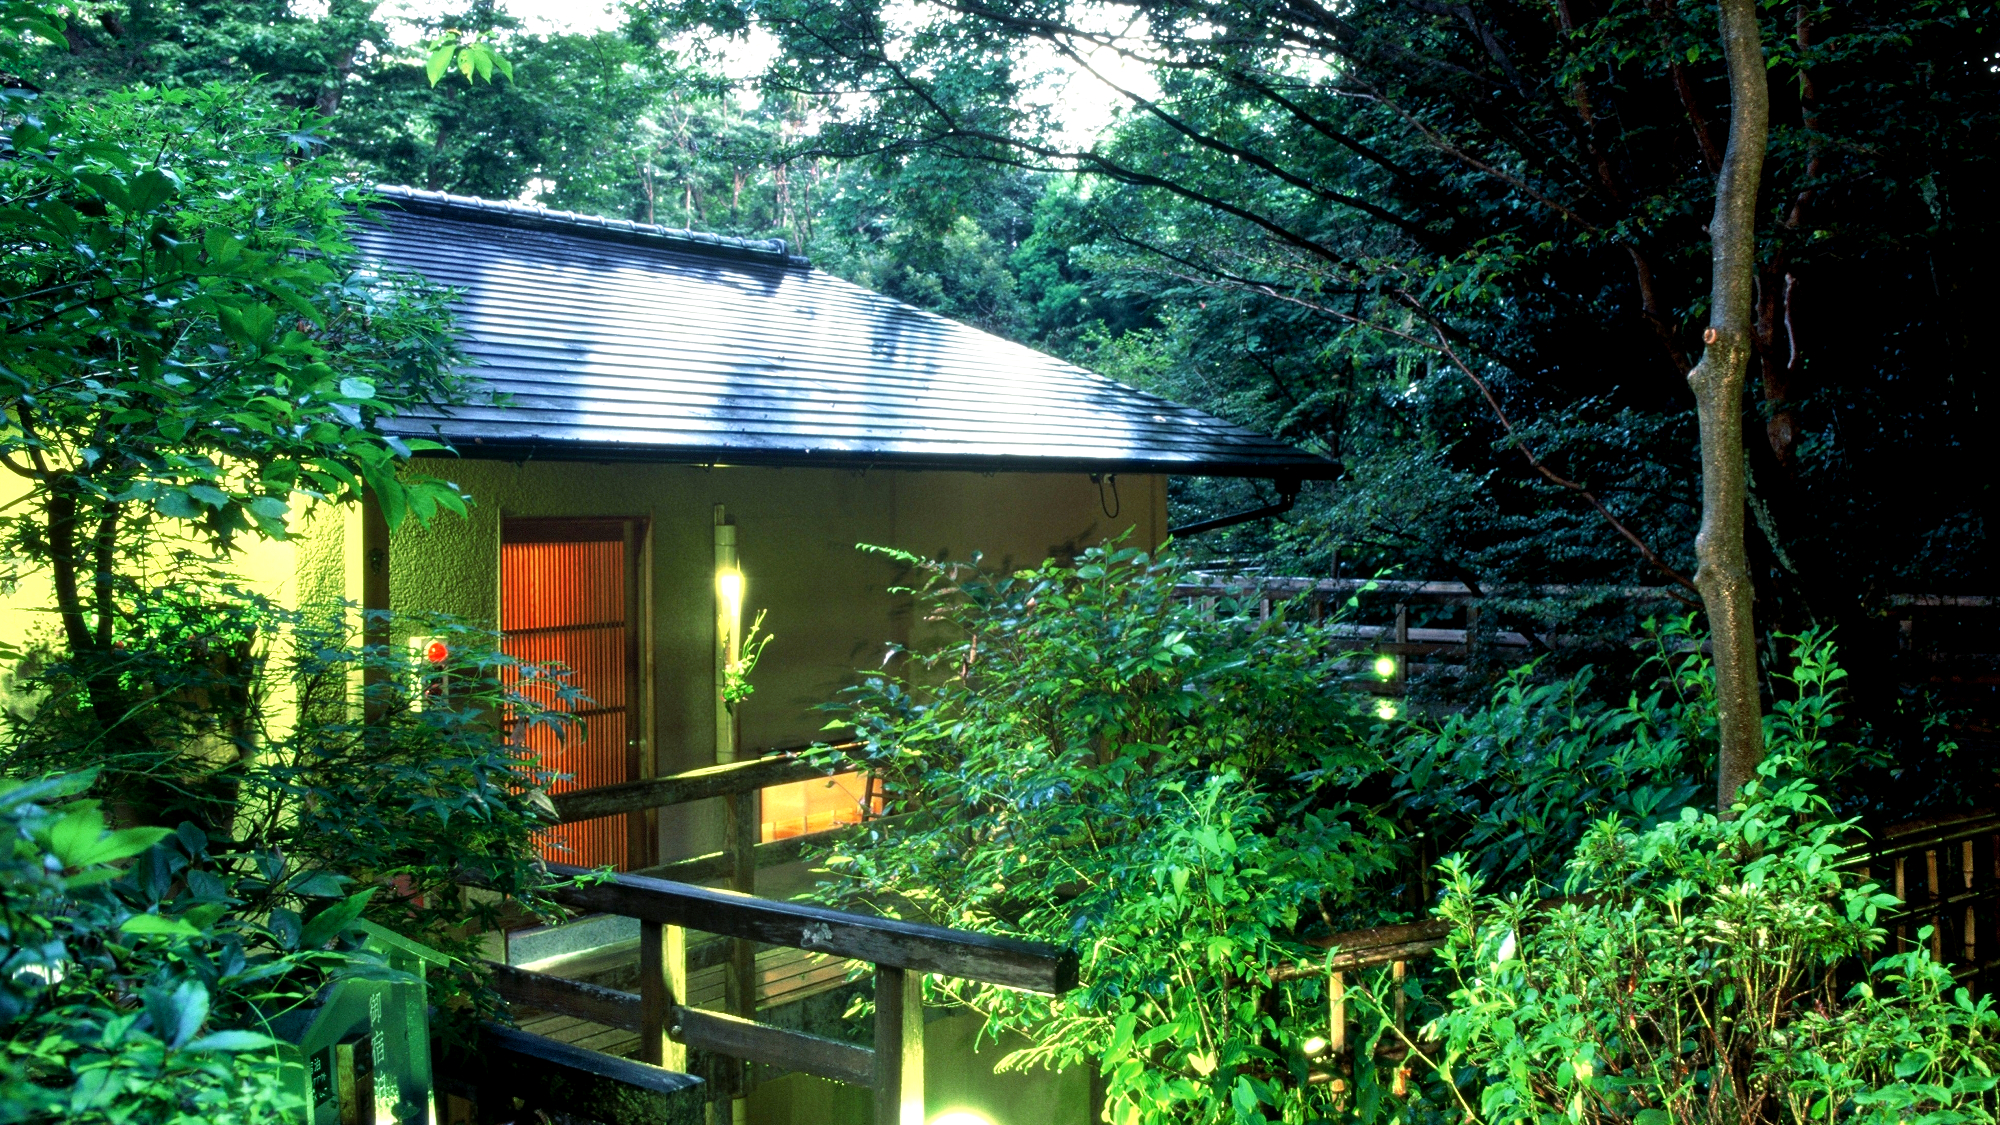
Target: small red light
pixel 437 652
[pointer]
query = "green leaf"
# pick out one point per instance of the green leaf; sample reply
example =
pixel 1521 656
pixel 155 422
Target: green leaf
pixel 111 189
pixel 320 884
pixel 328 923
pixel 440 60
pixel 357 389
pixel 79 839
pixel 177 504
pixel 177 1015
pixel 249 324
pixel 159 924
pixel 152 188
pixel 269 507
pixel 389 492
pixel 234 1040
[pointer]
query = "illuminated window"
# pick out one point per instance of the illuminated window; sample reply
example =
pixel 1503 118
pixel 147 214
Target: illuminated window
pixel 813 806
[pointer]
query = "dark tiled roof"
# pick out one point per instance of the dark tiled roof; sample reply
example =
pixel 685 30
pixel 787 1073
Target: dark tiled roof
pixel 616 339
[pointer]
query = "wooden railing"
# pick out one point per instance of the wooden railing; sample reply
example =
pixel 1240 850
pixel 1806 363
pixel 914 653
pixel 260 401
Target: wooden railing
pixel 667 906
pixel 736 783
pixel 901 953
pixel 1394 946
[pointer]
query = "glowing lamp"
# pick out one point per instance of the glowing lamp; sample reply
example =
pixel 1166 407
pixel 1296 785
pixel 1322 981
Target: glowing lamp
pixel 1385 666
pixel 437 652
pixel 1385 709
pixel 961 1117
pixel 1313 1046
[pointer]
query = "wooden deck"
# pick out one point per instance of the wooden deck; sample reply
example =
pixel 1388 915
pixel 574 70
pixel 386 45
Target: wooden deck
pixel 784 977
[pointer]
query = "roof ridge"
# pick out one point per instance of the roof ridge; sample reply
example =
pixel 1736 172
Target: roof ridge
pixel 537 216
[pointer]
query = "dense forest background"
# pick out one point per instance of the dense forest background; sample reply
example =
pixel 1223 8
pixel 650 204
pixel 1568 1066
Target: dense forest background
pixel 1418 237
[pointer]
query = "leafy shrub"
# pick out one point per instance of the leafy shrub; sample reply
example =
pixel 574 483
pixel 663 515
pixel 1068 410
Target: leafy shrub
pixel 1082 758
pixel 1699 979
pixel 256 735
pixel 1515 784
pixel 131 978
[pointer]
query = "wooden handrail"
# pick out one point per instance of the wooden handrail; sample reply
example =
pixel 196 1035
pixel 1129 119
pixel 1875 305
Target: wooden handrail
pixel 701 784
pixel 913 946
pixel 683 787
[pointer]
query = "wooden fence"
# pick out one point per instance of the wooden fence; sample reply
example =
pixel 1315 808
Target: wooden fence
pixel 1946 643
pixel 1423 626
pixel 667 906
pixel 1946 872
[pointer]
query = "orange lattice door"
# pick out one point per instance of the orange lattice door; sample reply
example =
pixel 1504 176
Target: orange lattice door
pixel 569 595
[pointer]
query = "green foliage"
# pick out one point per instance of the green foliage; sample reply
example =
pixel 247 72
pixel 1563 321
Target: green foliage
pixel 469 54
pixel 1076 756
pixel 135 971
pixel 736 685
pixel 1516 783
pixel 256 736
pixel 1698 978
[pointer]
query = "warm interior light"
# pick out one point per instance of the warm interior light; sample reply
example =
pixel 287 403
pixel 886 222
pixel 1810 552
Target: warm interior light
pixel 1385 666
pixel 961 1117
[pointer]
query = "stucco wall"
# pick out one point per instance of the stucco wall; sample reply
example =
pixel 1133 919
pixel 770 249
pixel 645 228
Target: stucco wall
pixel 797 529
pixel 28 621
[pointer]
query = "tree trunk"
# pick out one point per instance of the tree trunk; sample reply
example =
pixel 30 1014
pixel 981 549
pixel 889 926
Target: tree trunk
pixel 1723 569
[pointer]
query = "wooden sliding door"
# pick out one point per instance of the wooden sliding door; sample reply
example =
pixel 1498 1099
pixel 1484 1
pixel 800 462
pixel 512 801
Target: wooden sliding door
pixel 570 595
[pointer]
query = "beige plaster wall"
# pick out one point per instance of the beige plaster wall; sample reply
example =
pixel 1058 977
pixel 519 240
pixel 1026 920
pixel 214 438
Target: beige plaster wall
pixel 28 621
pixel 797 531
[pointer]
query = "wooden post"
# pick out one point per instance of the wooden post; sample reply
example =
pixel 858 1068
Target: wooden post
pixel 1902 896
pixel 1336 1001
pixel 662 987
pixel 1968 937
pixel 1935 891
pixel 1402 651
pixel 899 1047
pixel 642 829
pixel 740 827
pixel 743 829
pixel 374 595
pixel 1399 970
